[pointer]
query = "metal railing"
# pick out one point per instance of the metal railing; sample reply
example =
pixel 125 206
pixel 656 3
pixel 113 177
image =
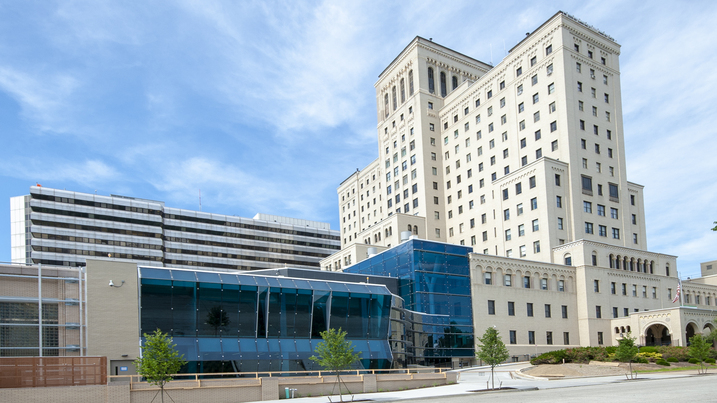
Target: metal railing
pixel 197 378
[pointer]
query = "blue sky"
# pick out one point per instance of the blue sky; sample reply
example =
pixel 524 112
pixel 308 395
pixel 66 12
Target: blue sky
pixel 268 106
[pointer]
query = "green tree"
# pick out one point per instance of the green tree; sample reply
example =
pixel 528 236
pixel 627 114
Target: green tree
pixel 700 350
pixel 159 360
pixel 627 351
pixel 492 351
pixel 715 227
pixel 336 354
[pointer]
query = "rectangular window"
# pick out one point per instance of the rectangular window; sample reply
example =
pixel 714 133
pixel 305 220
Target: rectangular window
pixel 564 310
pixel 613 290
pixel 536 247
pixel 511 308
pixel 526 284
pixel 547 310
pixel 507 280
pixel 559 201
pixel 598 312
pixel 549 338
pixel 529 308
pixel 531 337
pixel 596 285
pixel 600 339
pixel 566 338
pixel 536 227
pixel 491 307
pixel 534 203
pixel 614 312
pixel 512 337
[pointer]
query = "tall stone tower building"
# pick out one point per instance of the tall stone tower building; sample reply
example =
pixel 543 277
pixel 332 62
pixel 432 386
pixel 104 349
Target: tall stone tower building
pixel 512 160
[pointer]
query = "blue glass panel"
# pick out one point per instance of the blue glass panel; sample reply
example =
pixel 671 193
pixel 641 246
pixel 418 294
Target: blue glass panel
pixel 229 278
pixel 429 246
pixel 458 250
pixel 272 281
pixel 286 283
pixel 320 285
pixel 357 288
pixel 183 275
pixel 338 286
pixel 156 309
pixel 302 284
pixel 261 281
pixel 155 273
pixel 247 280
pixel 208 277
pixel 230 345
pixel 274 348
pixel 378 289
pixel 249 345
pixel 184 308
pixel 303 345
pixel 210 349
pixel 186 346
pixel 287 345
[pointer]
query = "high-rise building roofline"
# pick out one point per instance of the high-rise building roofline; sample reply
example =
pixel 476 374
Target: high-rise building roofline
pixel 438 46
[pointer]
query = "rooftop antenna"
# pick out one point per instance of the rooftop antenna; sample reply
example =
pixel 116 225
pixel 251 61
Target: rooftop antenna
pixel 200 199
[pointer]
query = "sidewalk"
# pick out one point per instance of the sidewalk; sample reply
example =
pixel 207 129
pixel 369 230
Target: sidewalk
pixel 477 378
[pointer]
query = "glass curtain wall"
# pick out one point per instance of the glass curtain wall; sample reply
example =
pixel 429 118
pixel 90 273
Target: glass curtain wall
pixel 244 323
pixel 436 313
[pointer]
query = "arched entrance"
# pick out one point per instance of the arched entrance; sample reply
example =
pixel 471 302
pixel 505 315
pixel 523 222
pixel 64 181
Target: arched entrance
pixel 657 335
pixel 690 331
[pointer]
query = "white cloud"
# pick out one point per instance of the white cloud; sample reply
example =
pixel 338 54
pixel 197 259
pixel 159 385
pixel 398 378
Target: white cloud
pixel 42 96
pixel 61 171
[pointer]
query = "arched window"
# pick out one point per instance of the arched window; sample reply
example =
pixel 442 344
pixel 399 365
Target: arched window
pixel 403 91
pixel 431 82
pixel 488 278
pixel 444 90
pixel 617 330
pixel 415 230
pixel 594 259
pixel 628 329
pixel 410 228
pixel 385 103
pixel 455 82
pixel 568 260
pixel 612 261
pixel 410 82
pixel 386 231
pixel 390 230
pixel 393 94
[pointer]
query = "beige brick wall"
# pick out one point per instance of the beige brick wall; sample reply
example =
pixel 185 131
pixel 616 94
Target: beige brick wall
pixel 112 312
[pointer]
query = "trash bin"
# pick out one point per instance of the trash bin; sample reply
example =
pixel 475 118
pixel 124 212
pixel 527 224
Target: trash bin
pixel 286 390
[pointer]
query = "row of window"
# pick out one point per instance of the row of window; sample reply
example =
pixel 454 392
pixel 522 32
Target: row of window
pixel 526 282
pixel 394 95
pixel 513 337
pixel 528 309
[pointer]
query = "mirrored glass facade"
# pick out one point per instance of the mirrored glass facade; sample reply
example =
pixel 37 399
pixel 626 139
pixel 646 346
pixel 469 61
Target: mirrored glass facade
pixel 224 322
pixel 436 322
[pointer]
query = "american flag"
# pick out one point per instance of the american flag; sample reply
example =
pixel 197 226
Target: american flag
pixel 677 294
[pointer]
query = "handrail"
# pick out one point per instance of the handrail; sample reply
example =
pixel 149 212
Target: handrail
pixel 198 377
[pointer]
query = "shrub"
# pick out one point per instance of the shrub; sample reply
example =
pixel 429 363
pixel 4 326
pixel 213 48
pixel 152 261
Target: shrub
pixel 671 351
pixel 648 349
pixel 652 357
pixel 551 357
pixel 610 350
pixel 662 362
pixel 672 359
pixel 710 361
pixel 640 360
pixel 693 361
pixel 586 354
